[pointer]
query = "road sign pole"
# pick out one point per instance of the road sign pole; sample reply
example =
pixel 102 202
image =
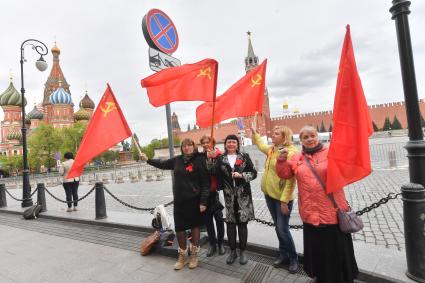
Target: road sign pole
pixel 170 130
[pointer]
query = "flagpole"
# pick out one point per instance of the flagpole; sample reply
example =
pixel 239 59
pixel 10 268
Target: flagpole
pixel 213 108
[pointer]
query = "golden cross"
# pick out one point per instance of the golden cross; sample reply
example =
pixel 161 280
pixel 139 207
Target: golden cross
pixel 256 81
pixel 205 72
pixel 110 106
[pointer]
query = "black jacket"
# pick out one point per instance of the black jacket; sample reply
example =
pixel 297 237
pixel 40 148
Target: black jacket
pixel 191 178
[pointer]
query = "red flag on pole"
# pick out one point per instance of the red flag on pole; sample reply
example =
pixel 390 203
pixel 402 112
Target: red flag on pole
pixel 107 127
pixel 242 99
pixel 349 157
pixel 190 82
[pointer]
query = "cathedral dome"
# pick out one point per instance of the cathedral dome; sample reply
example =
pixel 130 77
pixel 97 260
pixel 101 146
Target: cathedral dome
pixel 35 114
pixel 14 135
pixel 82 115
pixel 56 49
pixel 60 96
pixel 11 97
pixel 86 102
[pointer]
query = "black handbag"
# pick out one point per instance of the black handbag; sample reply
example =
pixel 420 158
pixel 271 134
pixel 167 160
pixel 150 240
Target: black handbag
pixel 32 212
pixel 348 221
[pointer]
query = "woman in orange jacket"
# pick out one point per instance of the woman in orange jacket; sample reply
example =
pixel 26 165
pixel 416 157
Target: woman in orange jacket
pixel 328 252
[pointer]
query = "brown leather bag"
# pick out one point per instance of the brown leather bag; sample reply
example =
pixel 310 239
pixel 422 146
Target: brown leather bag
pixel 148 243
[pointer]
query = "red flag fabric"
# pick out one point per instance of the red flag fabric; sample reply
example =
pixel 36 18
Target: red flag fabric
pixel 349 156
pixel 107 127
pixel 242 99
pixel 190 82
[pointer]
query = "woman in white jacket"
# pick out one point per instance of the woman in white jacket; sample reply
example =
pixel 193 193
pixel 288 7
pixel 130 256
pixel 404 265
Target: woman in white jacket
pixel 70 185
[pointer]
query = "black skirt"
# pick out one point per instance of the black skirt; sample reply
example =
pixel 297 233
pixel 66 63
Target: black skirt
pixel 329 254
pixel 187 214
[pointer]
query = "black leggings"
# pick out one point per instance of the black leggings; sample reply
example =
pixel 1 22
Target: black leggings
pixel 242 232
pixel 209 224
pixel 71 191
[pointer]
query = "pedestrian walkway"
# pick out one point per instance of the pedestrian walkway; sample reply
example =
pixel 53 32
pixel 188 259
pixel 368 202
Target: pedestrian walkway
pixel 47 250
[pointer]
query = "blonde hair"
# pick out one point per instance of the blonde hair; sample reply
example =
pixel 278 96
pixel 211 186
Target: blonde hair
pixel 306 129
pixel 188 141
pixel 205 137
pixel 286 134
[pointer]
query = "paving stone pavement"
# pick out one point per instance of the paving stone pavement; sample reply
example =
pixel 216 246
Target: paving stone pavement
pixel 49 236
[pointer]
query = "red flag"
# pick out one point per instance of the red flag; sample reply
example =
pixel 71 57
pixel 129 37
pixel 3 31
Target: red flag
pixel 184 83
pixel 242 99
pixel 107 127
pixel 349 157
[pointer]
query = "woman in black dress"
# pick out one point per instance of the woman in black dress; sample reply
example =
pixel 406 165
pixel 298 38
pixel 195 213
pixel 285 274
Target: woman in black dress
pixel 234 171
pixel 190 191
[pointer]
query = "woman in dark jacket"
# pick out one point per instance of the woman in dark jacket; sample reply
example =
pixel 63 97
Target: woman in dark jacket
pixel 190 191
pixel 235 170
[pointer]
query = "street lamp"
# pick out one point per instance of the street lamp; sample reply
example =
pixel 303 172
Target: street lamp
pixel 41 65
pixel 413 193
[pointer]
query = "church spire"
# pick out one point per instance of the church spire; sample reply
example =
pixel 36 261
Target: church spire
pixel 56 78
pixel 251 60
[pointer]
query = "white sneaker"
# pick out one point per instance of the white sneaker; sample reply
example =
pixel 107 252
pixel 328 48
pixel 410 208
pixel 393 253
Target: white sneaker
pixel 75 208
pixel 68 209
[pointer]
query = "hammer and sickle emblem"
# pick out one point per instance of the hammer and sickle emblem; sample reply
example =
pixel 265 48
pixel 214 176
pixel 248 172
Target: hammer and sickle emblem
pixel 110 106
pixel 205 72
pixel 256 81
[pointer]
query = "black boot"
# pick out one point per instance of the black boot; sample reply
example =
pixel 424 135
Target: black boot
pixel 211 250
pixel 232 256
pixel 242 257
pixel 293 265
pixel 221 249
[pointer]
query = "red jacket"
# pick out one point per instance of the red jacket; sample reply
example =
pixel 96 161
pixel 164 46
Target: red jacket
pixel 314 205
pixel 214 182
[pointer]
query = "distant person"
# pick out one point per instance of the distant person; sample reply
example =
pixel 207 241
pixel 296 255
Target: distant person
pixel 190 194
pixel 70 185
pixel 235 171
pixel 279 193
pixel 214 207
pixel 328 252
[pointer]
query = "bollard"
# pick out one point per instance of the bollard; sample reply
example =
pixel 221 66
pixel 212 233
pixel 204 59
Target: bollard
pixel 41 197
pixel 3 201
pixel 392 159
pixel 414 230
pixel 100 203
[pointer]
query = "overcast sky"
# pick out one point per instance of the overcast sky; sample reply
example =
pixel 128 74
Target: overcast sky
pixel 102 41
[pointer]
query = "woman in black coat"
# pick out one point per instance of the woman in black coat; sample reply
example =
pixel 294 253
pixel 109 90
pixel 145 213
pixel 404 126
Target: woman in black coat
pixel 235 170
pixel 190 191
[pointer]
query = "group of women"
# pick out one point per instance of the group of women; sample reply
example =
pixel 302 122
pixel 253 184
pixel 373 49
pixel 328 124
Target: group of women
pixel 328 252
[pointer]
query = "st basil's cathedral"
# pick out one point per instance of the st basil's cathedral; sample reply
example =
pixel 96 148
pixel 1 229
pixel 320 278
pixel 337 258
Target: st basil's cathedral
pixel 57 109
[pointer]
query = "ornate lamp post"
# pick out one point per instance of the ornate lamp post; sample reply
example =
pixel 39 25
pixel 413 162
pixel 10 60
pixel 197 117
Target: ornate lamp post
pixel 41 65
pixel 413 193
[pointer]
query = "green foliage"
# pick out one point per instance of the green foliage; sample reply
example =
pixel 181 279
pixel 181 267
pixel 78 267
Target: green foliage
pixel 422 121
pixel 108 156
pixel 13 164
pixel 188 127
pixel 387 124
pixel 330 128
pixel 71 137
pixel 396 124
pixel 317 128
pixel 322 127
pixel 375 127
pixel 43 143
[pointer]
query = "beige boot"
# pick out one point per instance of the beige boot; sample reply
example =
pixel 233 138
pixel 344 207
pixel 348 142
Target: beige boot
pixel 182 260
pixel 193 260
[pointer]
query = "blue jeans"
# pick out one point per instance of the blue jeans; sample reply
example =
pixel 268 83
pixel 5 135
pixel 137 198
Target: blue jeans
pixel 286 243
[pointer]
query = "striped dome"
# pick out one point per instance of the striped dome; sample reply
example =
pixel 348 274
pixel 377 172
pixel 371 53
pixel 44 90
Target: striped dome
pixel 60 96
pixel 35 114
pixel 11 97
pixel 14 135
pixel 82 115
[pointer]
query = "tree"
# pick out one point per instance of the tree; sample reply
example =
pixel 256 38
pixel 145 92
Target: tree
pixel 375 127
pixel 322 127
pixel 396 124
pixel 43 143
pixel 188 127
pixel 108 156
pixel 317 128
pixel 13 164
pixel 72 137
pixel 422 121
pixel 330 128
pixel 387 124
